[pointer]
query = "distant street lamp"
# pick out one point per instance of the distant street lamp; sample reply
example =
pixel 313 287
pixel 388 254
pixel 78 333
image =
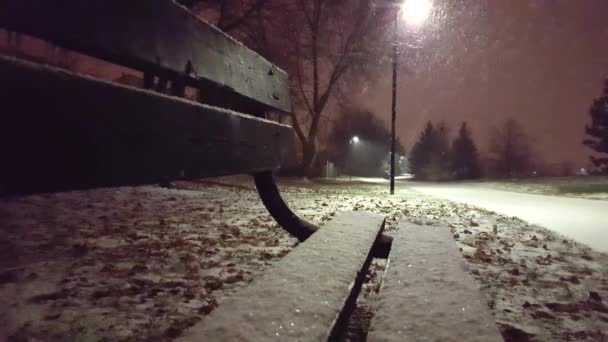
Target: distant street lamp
pixel 414 13
pixel 353 141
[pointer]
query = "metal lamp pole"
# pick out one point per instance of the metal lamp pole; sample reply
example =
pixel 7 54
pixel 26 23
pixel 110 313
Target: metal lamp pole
pixel 394 105
pixel 416 12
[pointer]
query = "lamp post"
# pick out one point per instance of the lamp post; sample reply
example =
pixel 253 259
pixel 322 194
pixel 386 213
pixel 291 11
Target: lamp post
pixel 394 106
pixel 414 13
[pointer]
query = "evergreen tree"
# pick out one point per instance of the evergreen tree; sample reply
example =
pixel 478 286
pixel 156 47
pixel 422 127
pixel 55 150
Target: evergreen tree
pixel 598 131
pixel 430 156
pixel 442 149
pixel 438 167
pixel 464 155
pixel 421 151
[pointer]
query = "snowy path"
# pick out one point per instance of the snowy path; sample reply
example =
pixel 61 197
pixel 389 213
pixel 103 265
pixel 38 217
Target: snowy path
pixel 583 220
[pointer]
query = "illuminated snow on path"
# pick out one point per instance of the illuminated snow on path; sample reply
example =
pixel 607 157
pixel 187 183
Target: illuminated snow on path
pixel 583 220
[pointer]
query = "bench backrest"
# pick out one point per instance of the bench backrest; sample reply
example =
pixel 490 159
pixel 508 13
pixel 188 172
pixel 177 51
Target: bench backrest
pixel 62 131
pixel 160 37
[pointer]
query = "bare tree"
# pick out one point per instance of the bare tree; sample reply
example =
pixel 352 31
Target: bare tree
pixel 319 43
pixel 230 14
pixel 325 40
pixel 510 145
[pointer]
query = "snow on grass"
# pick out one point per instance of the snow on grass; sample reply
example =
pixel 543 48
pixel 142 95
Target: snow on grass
pixel 540 286
pixel 125 262
pixel 581 187
pixel 145 263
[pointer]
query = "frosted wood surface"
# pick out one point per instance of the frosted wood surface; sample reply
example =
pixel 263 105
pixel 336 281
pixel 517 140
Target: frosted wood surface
pixel 428 294
pixel 152 35
pixel 299 298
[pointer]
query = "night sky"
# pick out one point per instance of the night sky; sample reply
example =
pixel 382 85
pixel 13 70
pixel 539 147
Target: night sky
pixel 541 62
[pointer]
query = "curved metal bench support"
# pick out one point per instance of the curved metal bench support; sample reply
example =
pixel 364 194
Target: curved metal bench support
pixel 297 227
pixel 278 209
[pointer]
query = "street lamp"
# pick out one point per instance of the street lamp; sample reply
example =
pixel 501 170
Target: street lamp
pixel 353 141
pixel 414 13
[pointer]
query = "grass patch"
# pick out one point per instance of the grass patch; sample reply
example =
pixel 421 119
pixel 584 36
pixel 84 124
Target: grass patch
pixel 589 188
pixel 584 187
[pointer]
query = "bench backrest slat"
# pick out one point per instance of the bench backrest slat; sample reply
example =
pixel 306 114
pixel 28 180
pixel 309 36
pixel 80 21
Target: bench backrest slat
pixel 61 131
pixel 157 36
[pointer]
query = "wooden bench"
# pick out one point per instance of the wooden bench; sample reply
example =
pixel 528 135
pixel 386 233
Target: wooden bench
pixel 62 131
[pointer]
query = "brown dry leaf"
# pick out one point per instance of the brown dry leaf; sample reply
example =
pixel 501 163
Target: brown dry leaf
pixel 543 260
pixel 482 256
pixel 572 279
pixel 283 253
pixel 213 284
pixel 208 306
pixel 240 276
pixel 266 256
pixel 235 231
pixel 209 264
pixel 485 236
pixel 531 243
pixel 563 307
pixel 469 242
pixel 192 274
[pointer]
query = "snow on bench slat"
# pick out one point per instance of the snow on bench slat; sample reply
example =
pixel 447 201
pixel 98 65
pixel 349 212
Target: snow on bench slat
pixel 203 56
pixel 428 294
pixel 300 297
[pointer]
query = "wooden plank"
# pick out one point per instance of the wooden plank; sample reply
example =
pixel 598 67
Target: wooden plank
pixel 428 293
pixel 153 35
pixel 301 298
pixel 61 131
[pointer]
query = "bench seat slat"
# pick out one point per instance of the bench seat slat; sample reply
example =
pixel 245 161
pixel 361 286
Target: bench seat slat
pixel 428 294
pixel 159 36
pixel 62 131
pixel 300 297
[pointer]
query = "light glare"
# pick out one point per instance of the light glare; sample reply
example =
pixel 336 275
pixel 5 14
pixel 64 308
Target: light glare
pixel 415 12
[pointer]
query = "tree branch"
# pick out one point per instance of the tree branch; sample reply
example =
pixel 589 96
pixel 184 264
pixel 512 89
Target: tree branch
pixel 258 5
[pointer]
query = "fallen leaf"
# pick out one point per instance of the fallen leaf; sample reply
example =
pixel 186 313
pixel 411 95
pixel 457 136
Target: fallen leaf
pixel 481 255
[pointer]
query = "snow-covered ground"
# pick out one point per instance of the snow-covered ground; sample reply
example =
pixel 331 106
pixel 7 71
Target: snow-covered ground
pixel 583 220
pixel 145 263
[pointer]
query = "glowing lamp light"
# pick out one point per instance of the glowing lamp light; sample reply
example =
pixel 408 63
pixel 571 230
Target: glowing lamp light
pixel 355 139
pixel 415 12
